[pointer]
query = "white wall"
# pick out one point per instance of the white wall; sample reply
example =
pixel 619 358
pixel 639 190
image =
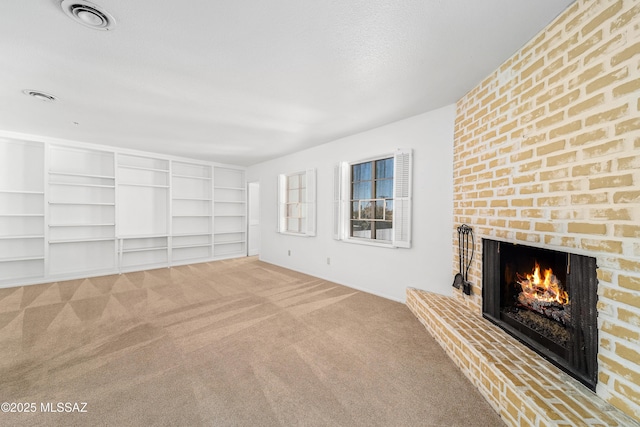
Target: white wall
pixel 383 271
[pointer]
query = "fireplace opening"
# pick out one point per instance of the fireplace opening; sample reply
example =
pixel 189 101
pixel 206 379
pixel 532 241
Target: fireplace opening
pixel 547 300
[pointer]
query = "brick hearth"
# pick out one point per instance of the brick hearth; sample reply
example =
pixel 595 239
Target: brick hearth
pixel 522 387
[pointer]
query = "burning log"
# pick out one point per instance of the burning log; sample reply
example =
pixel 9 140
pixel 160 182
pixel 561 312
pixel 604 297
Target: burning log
pixel 544 295
pixel 551 309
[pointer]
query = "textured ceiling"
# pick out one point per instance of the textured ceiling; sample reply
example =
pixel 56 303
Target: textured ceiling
pixel 244 81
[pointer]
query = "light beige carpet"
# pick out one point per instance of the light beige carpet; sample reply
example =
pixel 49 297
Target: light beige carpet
pixel 227 343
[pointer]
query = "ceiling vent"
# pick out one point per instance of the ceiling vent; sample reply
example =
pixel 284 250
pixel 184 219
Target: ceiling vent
pixel 88 14
pixel 42 96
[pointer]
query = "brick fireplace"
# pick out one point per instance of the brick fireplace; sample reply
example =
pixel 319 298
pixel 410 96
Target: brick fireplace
pixel 547 299
pixel 547 153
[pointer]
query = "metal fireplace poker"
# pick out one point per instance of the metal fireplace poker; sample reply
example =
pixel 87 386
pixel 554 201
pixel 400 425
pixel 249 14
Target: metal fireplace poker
pixel 466 250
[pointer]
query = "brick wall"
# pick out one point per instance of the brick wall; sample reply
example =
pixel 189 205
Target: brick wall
pixel 547 152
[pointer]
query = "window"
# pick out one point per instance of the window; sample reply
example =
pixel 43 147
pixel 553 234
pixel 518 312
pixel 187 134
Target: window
pixel 297 203
pixel 295 209
pixel 372 201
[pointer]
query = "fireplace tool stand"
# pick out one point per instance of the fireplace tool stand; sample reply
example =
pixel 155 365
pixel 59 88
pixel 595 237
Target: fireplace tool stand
pixel 466 250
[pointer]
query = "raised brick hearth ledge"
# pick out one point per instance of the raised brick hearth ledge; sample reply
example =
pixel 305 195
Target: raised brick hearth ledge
pixel 524 388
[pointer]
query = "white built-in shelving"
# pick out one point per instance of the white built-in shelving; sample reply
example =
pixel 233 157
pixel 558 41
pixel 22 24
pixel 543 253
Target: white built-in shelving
pixel 230 213
pixel 191 212
pixel 22 218
pixel 143 251
pixel 143 206
pixel 70 211
pixel 81 210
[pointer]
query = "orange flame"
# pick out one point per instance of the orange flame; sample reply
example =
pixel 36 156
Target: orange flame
pixel 544 287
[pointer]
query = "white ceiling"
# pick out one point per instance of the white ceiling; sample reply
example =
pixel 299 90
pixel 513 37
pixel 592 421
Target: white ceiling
pixel 245 81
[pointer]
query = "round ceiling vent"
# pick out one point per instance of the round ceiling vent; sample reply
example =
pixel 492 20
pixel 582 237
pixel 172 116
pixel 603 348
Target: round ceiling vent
pixel 42 96
pixel 88 14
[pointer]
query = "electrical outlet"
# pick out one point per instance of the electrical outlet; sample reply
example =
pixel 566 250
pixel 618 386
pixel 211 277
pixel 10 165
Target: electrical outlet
pixel 289 252
pixel 328 261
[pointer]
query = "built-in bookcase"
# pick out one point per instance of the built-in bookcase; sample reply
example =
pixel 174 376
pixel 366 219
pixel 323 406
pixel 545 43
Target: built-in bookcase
pixel 230 213
pixel 81 211
pixel 143 212
pixel 191 212
pixel 70 211
pixel 143 252
pixel 22 217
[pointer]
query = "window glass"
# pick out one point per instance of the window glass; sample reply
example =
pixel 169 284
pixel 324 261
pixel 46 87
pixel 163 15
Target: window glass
pixel 384 168
pixel 293 210
pixel 384 189
pixel 384 231
pixel 380 209
pixel 293 225
pixel 366 210
pixel 293 182
pixel 371 199
pixel 361 229
pixel 362 172
pixel 295 202
pixel 389 211
pixel 362 189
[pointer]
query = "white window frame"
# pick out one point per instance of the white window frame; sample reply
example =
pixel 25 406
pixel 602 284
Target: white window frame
pixel 402 177
pixel 306 208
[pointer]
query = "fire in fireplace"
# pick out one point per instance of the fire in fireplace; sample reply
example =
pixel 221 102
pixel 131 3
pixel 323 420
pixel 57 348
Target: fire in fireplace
pixel 547 300
pixel 544 294
pixel 541 304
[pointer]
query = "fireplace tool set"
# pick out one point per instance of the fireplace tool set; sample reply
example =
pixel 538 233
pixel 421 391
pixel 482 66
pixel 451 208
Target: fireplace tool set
pixel 466 249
